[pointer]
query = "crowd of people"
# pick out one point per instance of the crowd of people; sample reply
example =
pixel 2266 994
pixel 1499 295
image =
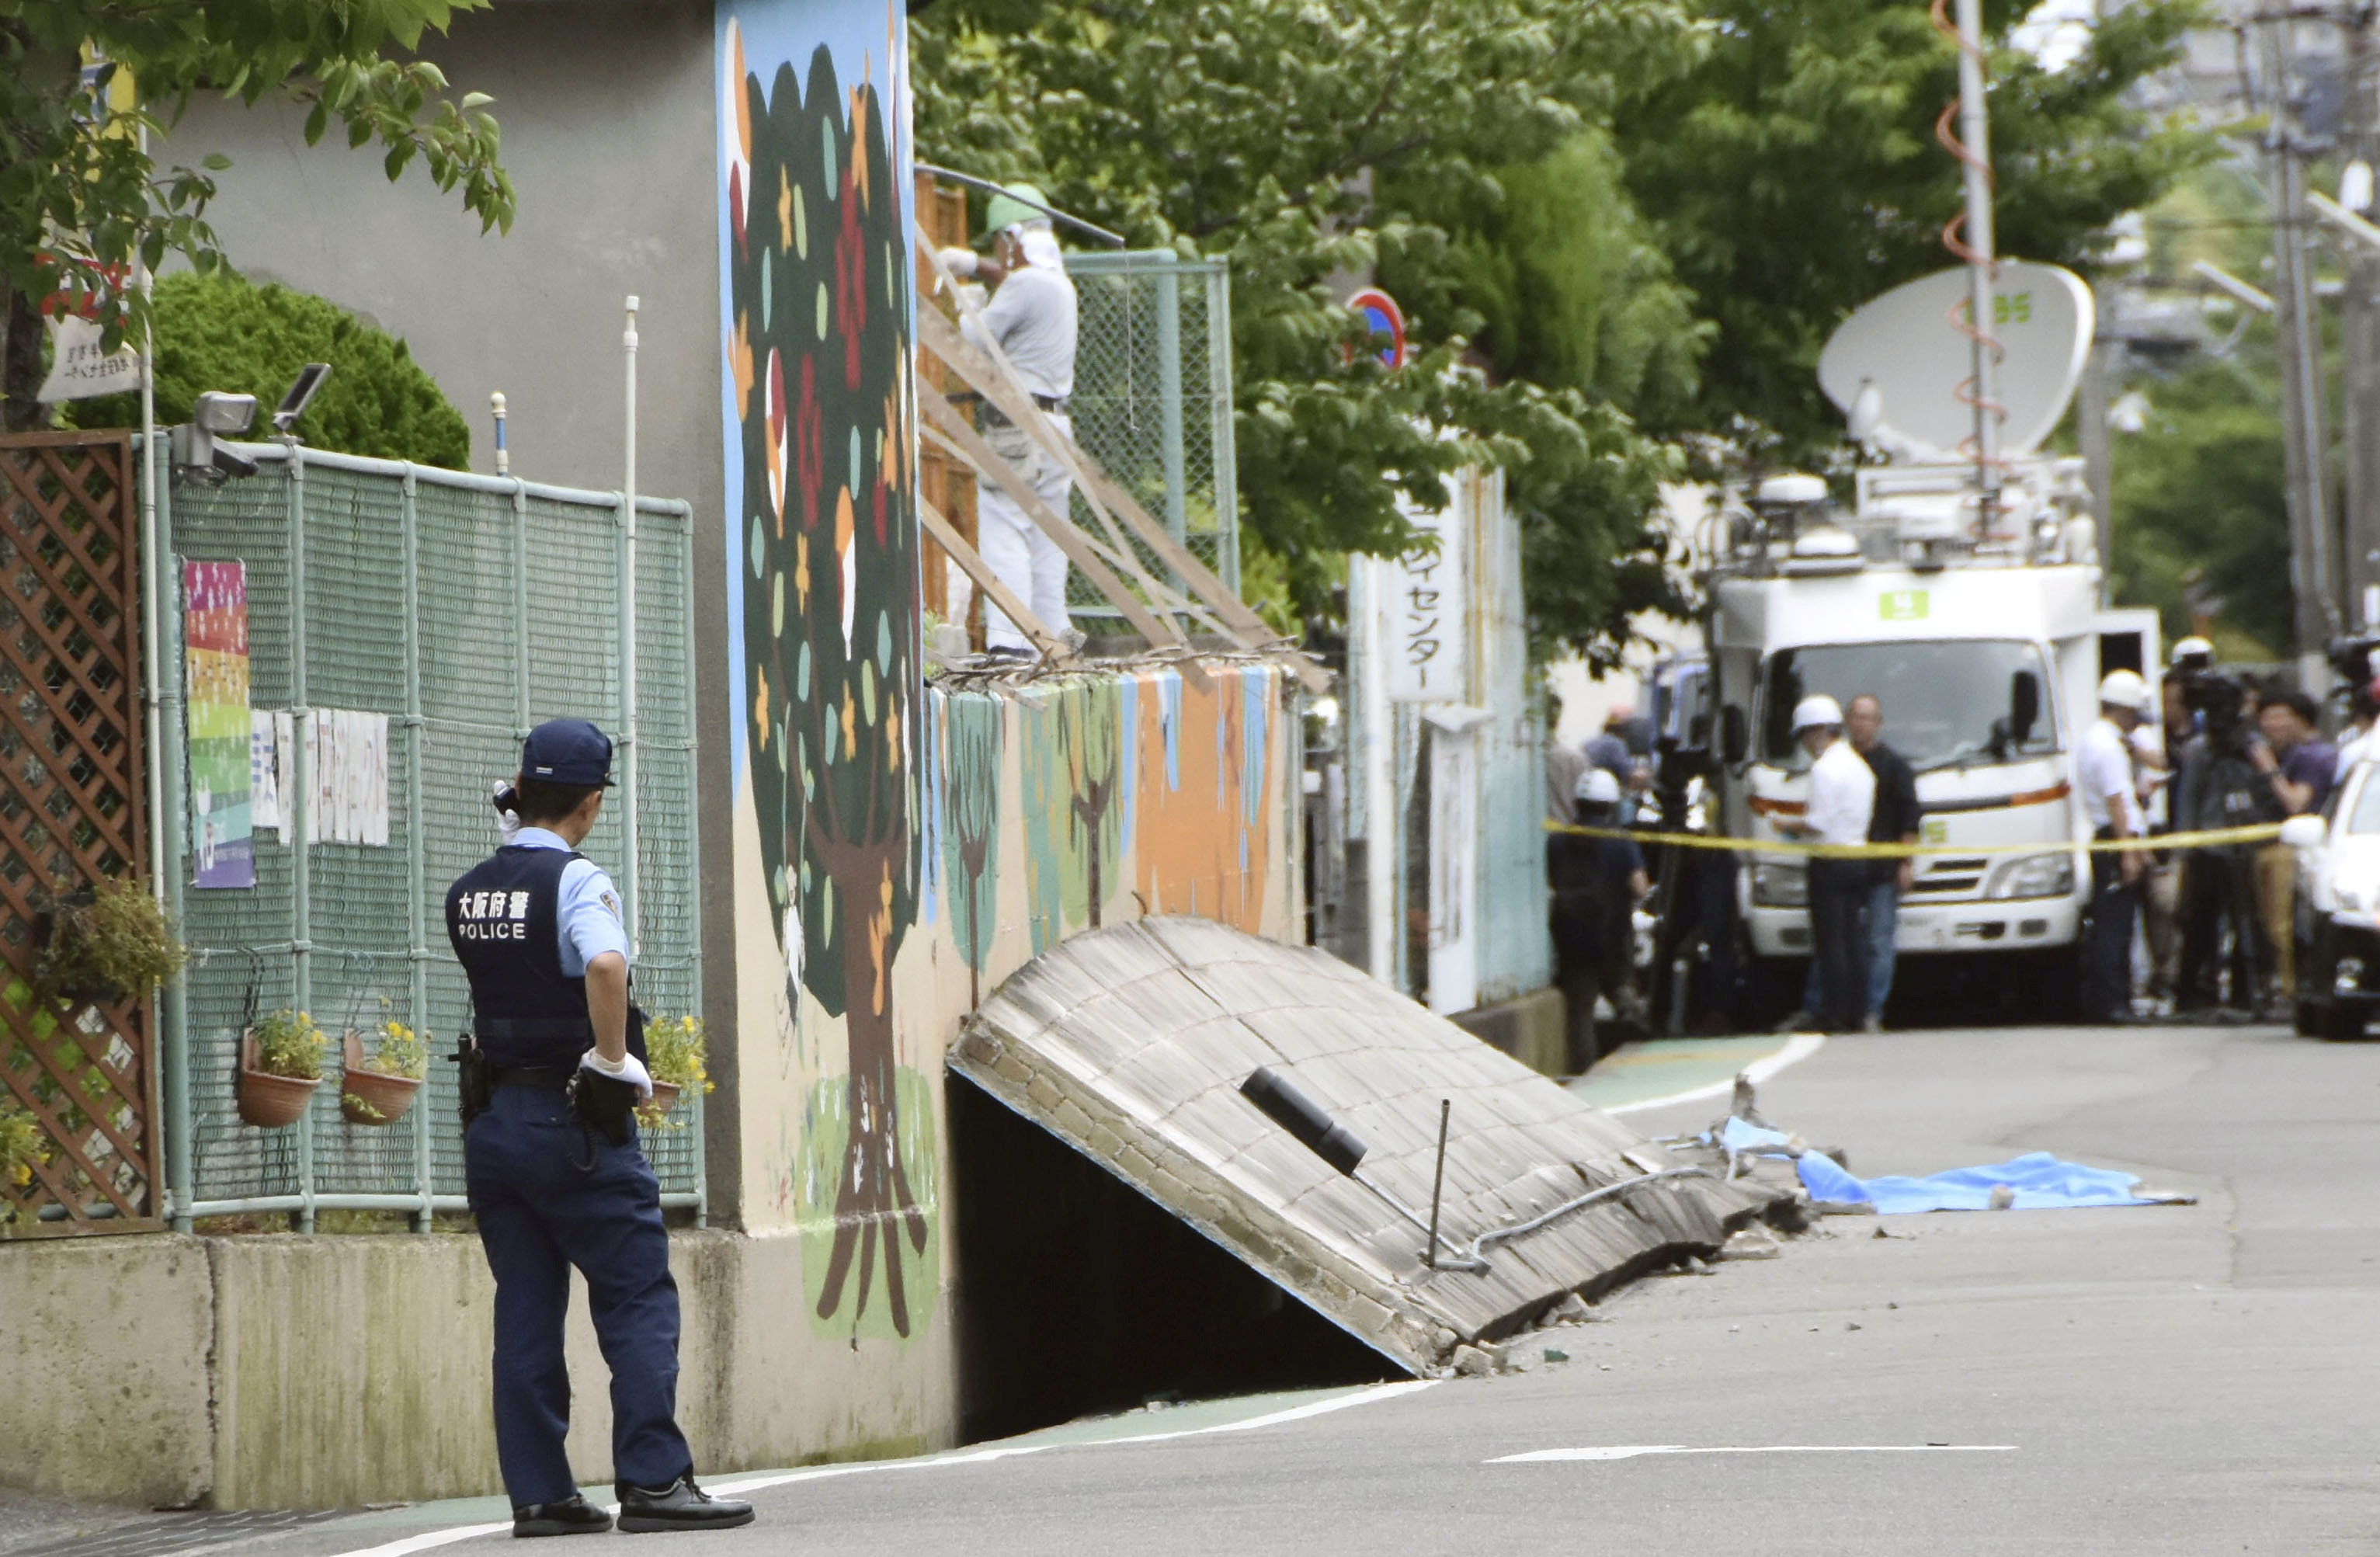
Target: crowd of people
pixel 2171 931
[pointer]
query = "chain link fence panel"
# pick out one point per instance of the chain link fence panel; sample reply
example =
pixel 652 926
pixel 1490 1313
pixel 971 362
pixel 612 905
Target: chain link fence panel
pixel 466 609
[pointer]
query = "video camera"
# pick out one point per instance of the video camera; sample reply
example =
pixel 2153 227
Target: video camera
pixel 2354 659
pixel 2219 701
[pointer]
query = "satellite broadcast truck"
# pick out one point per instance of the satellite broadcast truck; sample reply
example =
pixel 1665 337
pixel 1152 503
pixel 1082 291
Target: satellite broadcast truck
pixel 1977 626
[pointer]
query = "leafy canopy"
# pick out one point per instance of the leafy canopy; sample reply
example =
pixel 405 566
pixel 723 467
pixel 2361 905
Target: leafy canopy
pixel 223 332
pixel 81 202
pixel 1792 174
pixel 1304 144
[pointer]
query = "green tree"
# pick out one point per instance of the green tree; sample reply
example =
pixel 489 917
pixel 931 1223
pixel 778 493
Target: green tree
pixel 82 199
pixel 1297 142
pixel 221 332
pixel 2199 502
pixel 1792 173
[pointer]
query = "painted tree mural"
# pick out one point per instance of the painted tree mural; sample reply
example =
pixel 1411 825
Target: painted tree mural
pixel 820 284
pixel 972 724
pixel 1070 757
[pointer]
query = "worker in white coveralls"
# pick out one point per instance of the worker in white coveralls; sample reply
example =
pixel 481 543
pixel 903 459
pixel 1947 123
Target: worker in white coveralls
pixel 1032 317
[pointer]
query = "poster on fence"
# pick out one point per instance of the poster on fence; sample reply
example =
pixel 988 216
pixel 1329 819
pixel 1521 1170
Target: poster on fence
pixel 215 622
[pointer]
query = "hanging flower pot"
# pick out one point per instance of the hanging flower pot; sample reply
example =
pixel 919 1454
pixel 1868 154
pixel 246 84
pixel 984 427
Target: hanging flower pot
pixel 665 1097
pixel 372 1092
pixel 267 1099
pixel 101 943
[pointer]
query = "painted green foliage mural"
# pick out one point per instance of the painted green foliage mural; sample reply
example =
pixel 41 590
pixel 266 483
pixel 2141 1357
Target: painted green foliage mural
pixel 970 824
pixel 1072 760
pixel 821 293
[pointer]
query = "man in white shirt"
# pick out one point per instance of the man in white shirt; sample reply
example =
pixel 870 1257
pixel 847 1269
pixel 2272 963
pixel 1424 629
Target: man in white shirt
pixel 1842 799
pixel 1033 316
pixel 2103 764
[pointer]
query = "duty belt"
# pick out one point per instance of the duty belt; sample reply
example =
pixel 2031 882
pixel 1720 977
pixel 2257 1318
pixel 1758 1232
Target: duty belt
pixel 532 1029
pixel 551 1078
pixel 1055 405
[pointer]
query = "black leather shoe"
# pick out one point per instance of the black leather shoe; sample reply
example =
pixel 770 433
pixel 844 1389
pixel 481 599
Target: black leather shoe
pixel 681 1506
pixel 574 1515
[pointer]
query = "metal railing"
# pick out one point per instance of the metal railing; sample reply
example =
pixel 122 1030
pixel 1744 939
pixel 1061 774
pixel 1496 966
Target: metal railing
pixel 465 608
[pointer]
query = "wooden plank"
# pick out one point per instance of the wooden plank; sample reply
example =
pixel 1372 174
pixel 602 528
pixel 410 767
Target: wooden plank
pixel 1008 393
pixel 971 561
pixel 951 430
pixel 984 375
pixel 989 375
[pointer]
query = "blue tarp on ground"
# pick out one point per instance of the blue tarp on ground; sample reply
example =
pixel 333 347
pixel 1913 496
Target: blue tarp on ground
pixel 2040 1180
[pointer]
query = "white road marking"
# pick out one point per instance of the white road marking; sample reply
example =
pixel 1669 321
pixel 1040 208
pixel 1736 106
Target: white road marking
pixel 1799 1047
pixel 430 1538
pixel 1630 1451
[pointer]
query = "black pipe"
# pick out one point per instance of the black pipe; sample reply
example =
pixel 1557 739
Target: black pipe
pixel 1302 1117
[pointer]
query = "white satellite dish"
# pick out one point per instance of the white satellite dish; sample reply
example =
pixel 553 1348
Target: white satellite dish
pixel 1896 365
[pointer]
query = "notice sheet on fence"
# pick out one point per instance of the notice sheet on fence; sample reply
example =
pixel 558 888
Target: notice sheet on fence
pixel 214 626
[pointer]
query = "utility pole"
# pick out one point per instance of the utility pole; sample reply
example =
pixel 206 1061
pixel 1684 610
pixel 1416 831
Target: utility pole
pixel 2091 432
pixel 2311 574
pixel 2360 332
pixel 1982 257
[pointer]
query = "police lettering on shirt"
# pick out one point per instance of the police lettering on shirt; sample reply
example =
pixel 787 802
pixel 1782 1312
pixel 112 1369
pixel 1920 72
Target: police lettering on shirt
pixel 494 916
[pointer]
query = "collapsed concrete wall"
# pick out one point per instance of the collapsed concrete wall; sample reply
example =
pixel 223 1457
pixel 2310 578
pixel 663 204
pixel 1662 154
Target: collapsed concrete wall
pixel 1131 1044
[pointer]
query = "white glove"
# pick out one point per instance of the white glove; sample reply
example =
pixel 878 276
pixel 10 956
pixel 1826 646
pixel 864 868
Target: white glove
pixel 630 1069
pixel 962 261
pixel 508 822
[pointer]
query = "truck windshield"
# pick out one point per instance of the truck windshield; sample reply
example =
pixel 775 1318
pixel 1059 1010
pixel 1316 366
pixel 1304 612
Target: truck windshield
pixel 1946 704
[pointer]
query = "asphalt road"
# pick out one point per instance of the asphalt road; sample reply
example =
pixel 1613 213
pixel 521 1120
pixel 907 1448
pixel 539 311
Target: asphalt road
pixel 2157 1379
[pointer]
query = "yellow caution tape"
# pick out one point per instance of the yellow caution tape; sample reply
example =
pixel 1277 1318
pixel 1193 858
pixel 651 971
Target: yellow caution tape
pixel 2206 838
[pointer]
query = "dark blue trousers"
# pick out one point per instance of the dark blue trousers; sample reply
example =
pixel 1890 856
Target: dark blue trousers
pixel 539 1215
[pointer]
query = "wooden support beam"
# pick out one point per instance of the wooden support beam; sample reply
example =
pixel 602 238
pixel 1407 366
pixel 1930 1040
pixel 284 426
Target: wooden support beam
pixel 971 563
pixel 951 430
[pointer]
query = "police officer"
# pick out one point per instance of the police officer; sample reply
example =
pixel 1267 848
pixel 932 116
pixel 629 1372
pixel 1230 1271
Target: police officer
pixel 537 928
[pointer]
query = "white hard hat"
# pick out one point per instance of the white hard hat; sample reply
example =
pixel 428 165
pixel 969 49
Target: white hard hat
pixel 1819 709
pixel 2192 649
pixel 1597 785
pixel 2123 688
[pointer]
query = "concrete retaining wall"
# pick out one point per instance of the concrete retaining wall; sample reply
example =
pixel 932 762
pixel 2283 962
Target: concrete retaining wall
pixel 284 1371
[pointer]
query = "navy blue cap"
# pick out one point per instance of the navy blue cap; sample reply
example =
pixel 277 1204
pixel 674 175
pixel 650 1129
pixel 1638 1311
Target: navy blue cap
pixel 567 751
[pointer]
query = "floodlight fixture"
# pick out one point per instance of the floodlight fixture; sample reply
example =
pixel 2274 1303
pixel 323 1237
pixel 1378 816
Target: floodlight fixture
pixel 219 412
pixel 293 405
pixel 214 413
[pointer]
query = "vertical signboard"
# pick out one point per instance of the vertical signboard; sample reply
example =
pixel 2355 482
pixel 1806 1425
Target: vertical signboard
pixel 215 637
pixel 1425 599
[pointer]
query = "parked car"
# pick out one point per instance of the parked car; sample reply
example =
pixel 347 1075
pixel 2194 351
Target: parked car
pixel 2339 909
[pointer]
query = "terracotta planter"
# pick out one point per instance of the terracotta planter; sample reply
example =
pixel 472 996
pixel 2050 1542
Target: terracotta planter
pixel 665 1097
pixel 267 1101
pixel 386 1097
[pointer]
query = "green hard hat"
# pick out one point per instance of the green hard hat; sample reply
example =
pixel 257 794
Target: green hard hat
pixel 1008 208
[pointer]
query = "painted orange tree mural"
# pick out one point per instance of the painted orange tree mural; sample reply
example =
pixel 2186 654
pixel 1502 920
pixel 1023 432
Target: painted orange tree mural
pixel 820 282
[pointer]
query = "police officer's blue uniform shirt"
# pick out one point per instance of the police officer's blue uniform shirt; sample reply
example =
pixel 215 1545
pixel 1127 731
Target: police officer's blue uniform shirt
pixel 586 920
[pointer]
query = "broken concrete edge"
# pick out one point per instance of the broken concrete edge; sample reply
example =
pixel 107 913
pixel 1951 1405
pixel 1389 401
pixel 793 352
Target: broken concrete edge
pixel 981 1059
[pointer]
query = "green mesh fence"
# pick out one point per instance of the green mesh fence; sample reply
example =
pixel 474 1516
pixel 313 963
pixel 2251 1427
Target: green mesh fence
pixel 466 610
pixel 1152 404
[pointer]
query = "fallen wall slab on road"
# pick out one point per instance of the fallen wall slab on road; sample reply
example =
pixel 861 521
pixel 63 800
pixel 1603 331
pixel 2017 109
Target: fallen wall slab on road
pixel 1131 1044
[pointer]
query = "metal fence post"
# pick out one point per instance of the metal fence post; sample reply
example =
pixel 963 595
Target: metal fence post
pixel 520 606
pixel 631 898
pixel 1227 459
pixel 694 854
pixel 173 998
pixel 302 718
pixel 417 886
pixel 1169 391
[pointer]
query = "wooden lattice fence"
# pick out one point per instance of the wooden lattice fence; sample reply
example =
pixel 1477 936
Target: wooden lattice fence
pixel 72 810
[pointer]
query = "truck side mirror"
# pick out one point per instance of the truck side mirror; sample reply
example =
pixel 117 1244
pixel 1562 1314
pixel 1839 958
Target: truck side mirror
pixel 1735 735
pixel 2025 705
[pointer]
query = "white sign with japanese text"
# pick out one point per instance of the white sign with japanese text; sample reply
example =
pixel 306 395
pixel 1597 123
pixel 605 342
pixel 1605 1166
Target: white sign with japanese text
pixel 1427 602
pixel 79 369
